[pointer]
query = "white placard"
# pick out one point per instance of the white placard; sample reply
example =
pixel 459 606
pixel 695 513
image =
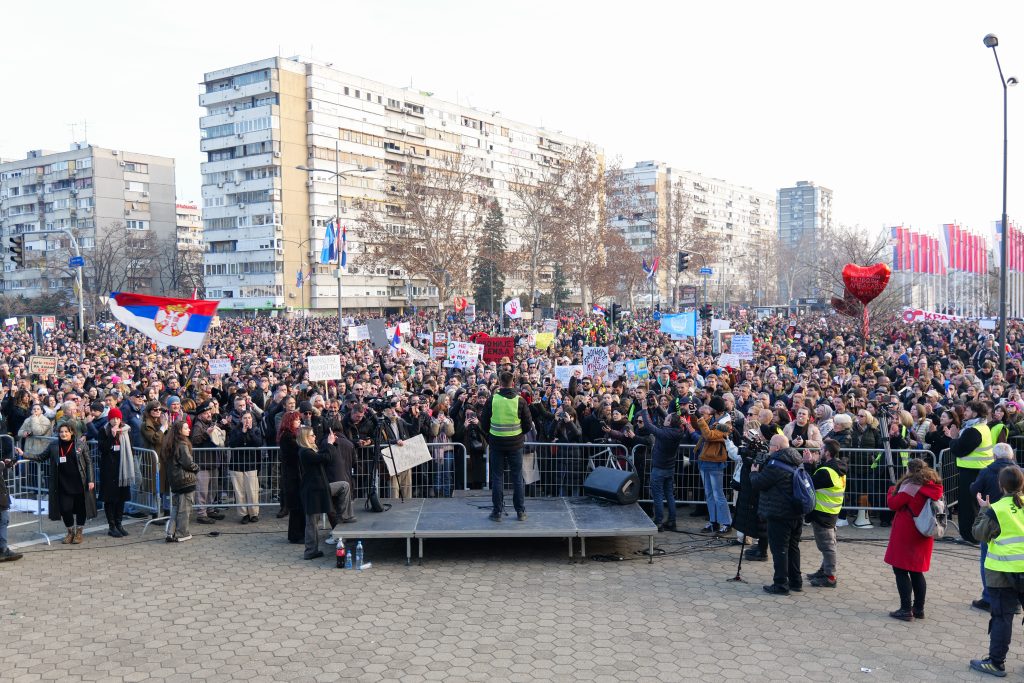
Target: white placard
pixel 987 323
pixel 595 361
pixel 413 353
pixel 11 322
pixel 729 359
pixel 220 366
pixel 463 354
pixel 323 367
pixel 412 452
pixel 358 333
pixel 563 373
pixel 719 324
pixel 743 346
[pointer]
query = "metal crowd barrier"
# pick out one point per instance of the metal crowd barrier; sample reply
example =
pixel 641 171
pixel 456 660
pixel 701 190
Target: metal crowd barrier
pixel 867 476
pixel 27 501
pixel 559 469
pixel 950 473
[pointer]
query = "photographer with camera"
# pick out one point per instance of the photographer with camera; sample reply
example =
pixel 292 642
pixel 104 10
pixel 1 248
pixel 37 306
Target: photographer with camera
pixel 754 450
pixel 785 518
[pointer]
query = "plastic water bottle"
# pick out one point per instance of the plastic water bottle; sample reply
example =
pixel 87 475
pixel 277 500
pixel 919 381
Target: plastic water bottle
pixel 339 554
pixel 359 555
pixel 348 560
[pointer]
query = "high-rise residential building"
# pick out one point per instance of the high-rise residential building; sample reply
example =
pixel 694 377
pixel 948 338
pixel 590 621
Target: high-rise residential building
pixel 264 218
pixel 687 210
pixel 189 220
pixel 805 216
pixel 94 193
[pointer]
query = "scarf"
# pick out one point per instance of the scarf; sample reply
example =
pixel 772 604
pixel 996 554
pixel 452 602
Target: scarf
pixel 126 476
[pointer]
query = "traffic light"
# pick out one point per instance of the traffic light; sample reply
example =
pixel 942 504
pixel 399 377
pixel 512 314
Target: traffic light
pixel 705 311
pixel 17 250
pixel 684 261
pixel 616 313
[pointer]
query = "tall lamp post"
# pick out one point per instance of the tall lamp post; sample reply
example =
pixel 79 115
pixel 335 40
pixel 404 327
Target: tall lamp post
pixel 992 41
pixel 338 174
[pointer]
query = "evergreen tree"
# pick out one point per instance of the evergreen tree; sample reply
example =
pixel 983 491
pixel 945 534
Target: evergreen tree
pixel 488 276
pixel 559 286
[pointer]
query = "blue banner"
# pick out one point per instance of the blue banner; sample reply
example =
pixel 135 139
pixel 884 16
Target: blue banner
pixel 680 325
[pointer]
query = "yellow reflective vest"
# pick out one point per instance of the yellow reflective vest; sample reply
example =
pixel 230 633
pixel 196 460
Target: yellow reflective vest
pixel 1006 551
pixel 904 455
pixel 982 456
pixel 505 416
pixel 830 500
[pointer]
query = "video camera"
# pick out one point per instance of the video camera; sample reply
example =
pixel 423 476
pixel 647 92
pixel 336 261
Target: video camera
pixel 756 447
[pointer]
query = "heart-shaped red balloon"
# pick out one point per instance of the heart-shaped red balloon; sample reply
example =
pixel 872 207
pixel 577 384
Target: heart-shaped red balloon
pixel 866 282
pixel 847 305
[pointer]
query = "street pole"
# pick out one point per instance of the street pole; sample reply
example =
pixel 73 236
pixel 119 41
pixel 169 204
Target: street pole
pixel 337 232
pixel 81 292
pixel 992 41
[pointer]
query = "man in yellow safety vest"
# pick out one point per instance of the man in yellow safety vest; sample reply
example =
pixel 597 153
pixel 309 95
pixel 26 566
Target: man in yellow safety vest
pixel 829 487
pixel 972 449
pixel 506 420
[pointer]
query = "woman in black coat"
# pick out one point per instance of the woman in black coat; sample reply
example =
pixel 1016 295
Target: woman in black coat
pixel 72 484
pixel 112 492
pixel 314 491
pixel 289 451
pixel 475 441
pixel 746 520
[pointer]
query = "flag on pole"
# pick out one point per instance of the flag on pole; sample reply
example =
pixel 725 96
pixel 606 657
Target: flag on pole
pixel 896 242
pixel 329 252
pixel 597 310
pixel 513 309
pixel 651 269
pixel 396 339
pixel 299 277
pixel 344 246
pixel 174 322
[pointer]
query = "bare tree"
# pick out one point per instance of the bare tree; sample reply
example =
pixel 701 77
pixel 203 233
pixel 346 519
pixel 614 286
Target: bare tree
pixel 620 274
pixel 580 224
pixel 432 224
pixel 179 272
pixel 534 202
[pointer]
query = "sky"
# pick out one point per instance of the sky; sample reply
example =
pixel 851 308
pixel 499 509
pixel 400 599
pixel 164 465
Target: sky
pixel 895 106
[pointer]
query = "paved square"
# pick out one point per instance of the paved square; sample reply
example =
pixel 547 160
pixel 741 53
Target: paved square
pixel 245 606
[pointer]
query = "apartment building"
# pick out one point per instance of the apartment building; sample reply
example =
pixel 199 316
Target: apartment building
pixel 264 218
pixel 189 221
pixel 805 216
pixel 696 209
pixel 87 191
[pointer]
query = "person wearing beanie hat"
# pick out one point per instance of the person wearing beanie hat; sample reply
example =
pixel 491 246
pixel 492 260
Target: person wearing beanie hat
pixel 117 470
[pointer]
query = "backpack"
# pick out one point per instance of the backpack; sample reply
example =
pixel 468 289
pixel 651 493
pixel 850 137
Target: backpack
pixel 803 487
pixel 931 522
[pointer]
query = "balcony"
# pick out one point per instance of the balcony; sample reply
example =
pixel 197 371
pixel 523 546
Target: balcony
pixel 238 92
pixel 236 140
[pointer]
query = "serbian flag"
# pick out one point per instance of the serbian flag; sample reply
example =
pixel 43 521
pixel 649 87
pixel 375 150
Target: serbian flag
pixel 396 340
pixel 896 242
pixel 597 310
pixel 173 322
pixel 651 269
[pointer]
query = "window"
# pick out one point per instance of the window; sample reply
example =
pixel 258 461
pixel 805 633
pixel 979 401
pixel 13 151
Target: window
pixel 346 89
pixel 136 186
pixel 137 225
pixel 357 93
pixel 86 202
pixel 135 167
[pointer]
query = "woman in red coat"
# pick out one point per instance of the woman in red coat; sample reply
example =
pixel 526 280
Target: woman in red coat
pixel 910 553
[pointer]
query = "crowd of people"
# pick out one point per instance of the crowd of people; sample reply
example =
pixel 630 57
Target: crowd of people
pixel 866 420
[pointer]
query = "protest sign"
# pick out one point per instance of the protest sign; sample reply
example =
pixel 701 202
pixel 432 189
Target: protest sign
pixel 470 313
pixel 322 368
pixel 42 365
pixel 358 333
pixel 563 373
pixel 550 326
pixel 680 325
pixel 463 354
pixel 412 452
pixel 595 361
pixel 379 333
pixel 496 348
pixel 637 369
pixel 987 323
pixel 721 341
pixel 220 366
pixel 728 360
pixel 47 323
pixel 543 340
pixel 11 322
pixel 719 324
pixel 743 346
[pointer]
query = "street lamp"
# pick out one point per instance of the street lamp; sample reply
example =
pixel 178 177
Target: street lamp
pixel 992 41
pixel 338 174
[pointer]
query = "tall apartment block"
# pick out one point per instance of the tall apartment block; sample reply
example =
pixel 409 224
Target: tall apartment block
pixel 737 218
pixel 87 190
pixel 264 218
pixel 189 222
pixel 805 215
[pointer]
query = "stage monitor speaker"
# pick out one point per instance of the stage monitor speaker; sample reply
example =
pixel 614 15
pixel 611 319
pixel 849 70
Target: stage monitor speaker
pixel 618 486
